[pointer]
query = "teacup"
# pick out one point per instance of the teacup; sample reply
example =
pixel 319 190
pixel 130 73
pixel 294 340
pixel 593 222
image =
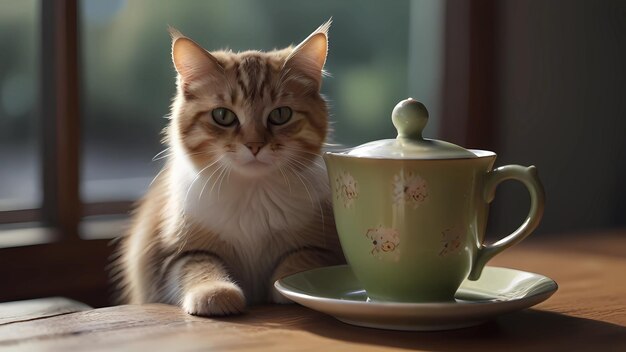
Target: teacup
pixel 411 212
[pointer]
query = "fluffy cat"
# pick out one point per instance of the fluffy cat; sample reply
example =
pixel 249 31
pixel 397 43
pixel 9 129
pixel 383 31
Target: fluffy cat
pixel 243 198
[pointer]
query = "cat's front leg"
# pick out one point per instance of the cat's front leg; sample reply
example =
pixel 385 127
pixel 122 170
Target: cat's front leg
pixel 201 286
pixel 298 261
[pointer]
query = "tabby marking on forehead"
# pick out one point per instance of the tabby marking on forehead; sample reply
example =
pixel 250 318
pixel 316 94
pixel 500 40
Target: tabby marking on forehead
pixel 251 77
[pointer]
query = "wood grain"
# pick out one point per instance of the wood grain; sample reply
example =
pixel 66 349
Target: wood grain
pixel 589 269
pixel 587 313
pixel 21 311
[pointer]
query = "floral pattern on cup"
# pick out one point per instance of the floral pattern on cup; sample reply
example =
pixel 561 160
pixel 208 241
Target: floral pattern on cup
pixel 346 189
pixel 450 241
pixel 384 240
pixel 409 188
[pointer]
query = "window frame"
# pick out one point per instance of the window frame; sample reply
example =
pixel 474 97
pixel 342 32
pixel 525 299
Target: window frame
pixel 47 254
pixel 60 121
pixel 60 114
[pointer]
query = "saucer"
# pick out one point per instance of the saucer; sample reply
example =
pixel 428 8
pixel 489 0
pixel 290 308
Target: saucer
pixel 335 291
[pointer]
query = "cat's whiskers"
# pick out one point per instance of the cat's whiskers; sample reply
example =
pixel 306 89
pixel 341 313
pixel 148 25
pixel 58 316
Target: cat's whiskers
pixel 161 156
pixel 157 176
pixel 198 176
pixel 164 168
pixel 319 204
pixel 221 167
pixel 285 178
pixel 306 152
pixel 334 145
pixel 294 171
pixel 157 156
pixel 298 164
pixel 219 181
pixel 308 166
pixel 300 150
pixel 227 177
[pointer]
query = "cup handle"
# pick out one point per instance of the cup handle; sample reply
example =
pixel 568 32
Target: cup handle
pixel 529 177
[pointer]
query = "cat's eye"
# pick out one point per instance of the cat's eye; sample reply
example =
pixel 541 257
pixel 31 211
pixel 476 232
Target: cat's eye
pixel 280 116
pixel 224 117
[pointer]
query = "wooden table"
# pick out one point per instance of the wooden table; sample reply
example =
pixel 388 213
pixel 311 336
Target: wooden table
pixel 587 313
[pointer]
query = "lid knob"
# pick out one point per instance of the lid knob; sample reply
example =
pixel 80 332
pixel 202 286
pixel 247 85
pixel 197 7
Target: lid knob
pixel 410 117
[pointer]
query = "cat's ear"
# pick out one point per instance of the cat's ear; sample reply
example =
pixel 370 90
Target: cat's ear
pixel 191 61
pixel 309 57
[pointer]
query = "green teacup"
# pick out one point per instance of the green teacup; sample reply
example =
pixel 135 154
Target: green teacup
pixel 411 212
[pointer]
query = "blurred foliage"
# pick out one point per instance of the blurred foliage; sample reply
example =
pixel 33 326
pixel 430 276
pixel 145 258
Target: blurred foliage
pixel 129 79
pixel 18 70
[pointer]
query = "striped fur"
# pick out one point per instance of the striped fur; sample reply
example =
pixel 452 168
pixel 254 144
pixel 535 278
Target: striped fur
pixel 219 223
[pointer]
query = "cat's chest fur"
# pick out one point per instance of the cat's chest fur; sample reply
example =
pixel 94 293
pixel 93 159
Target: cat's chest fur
pixel 249 212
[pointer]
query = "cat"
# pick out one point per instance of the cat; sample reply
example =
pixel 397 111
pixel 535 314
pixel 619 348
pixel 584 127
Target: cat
pixel 243 198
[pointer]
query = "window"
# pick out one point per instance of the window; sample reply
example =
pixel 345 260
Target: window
pixel 84 87
pixel 19 148
pixel 126 81
pixel 128 78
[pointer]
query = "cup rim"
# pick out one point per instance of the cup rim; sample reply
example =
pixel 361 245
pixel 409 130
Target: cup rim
pixel 479 154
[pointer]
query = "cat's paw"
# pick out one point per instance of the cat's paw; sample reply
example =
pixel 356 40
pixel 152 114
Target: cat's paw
pixel 215 298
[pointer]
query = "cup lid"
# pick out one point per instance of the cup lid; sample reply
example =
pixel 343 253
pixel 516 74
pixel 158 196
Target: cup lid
pixel 410 117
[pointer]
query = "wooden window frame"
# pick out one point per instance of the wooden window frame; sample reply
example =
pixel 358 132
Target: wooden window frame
pixel 470 71
pixel 50 255
pixel 60 114
pixel 60 121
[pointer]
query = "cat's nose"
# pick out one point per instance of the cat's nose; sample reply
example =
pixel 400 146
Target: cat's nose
pixel 255 147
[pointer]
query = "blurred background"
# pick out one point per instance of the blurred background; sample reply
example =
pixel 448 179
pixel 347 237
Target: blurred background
pixel 127 78
pixel 540 83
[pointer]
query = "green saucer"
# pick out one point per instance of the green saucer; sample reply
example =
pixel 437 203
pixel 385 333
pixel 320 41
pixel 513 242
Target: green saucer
pixel 334 290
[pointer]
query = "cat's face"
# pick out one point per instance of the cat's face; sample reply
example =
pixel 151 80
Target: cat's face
pixel 252 112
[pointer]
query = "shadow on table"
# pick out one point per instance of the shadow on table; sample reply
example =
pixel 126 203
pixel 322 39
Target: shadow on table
pixel 529 330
